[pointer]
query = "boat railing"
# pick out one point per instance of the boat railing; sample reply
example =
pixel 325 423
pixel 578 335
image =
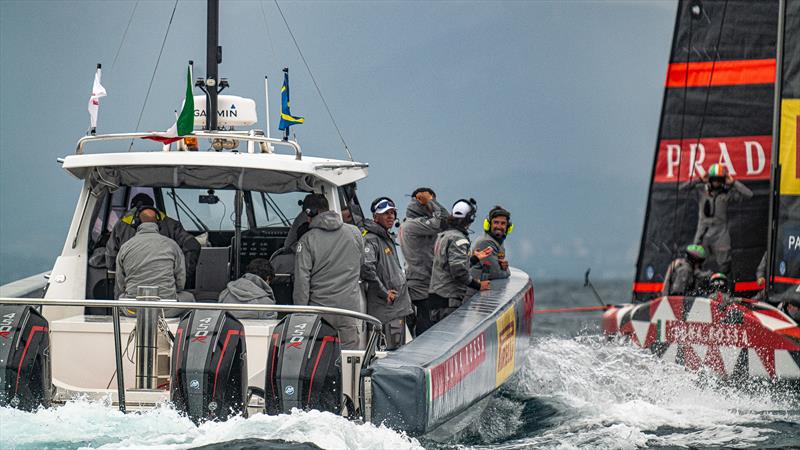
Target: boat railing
pixel 168 303
pixel 247 136
pixel 144 370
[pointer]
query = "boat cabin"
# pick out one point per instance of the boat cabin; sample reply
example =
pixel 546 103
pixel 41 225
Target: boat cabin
pixel 239 206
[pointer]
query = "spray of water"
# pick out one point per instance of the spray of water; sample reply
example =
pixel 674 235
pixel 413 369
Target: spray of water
pixel 591 392
pixel 92 424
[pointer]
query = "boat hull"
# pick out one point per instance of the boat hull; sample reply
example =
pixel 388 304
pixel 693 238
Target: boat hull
pixel 739 338
pixel 458 362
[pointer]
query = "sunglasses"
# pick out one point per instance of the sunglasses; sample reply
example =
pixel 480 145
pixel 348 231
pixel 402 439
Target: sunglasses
pixel 383 204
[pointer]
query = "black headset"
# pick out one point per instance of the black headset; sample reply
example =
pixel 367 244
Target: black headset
pixel 473 205
pixel 312 212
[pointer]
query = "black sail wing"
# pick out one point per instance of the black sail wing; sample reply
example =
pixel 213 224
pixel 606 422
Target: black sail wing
pixel 717 108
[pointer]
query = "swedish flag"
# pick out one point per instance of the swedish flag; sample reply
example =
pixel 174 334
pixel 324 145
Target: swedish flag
pixel 287 119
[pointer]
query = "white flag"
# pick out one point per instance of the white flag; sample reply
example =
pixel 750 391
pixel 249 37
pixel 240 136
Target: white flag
pixel 98 91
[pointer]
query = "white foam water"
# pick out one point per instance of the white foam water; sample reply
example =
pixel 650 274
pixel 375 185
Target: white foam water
pixel 571 393
pixel 84 424
pixel 609 394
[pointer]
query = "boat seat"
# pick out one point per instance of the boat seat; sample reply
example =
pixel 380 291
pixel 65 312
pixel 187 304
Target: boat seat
pixel 213 269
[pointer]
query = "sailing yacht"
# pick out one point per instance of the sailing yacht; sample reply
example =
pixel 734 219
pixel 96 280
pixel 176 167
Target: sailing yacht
pixel 732 97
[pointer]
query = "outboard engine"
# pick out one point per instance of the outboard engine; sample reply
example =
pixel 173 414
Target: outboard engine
pixel 209 373
pixel 25 379
pixel 303 366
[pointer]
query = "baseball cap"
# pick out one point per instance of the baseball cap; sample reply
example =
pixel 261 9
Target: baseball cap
pixel 462 209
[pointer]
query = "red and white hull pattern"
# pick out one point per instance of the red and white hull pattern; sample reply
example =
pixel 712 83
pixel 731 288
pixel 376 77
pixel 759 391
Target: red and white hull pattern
pixel 743 338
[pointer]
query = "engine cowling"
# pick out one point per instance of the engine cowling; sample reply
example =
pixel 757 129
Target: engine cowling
pixel 25 373
pixel 303 366
pixel 209 373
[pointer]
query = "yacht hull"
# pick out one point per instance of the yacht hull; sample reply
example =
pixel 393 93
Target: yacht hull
pixel 739 338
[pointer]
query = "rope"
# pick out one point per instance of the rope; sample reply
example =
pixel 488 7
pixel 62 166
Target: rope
pixel 319 91
pixel 155 69
pixel 570 310
pixel 124 35
pixel 266 28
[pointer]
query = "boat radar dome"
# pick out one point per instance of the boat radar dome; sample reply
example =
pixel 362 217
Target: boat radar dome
pixel 232 111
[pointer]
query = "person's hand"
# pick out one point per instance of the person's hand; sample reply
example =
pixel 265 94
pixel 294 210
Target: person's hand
pixel 486 285
pixel 423 197
pixel 729 179
pixel 392 294
pixel 483 254
pixel 704 177
pixel 761 281
pixel 503 264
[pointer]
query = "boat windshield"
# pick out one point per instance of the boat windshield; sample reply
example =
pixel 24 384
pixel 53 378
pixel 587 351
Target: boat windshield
pixel 213 210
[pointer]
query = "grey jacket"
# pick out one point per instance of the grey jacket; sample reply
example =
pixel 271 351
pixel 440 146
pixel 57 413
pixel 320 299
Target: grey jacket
pixel 451 261
pixel 416 238
pixel 327 265
pixel 251 289
pixel 491 265
pixel 382 272
pixel 150 259
pixel 171 228
pixel 712 217
pixel 682 278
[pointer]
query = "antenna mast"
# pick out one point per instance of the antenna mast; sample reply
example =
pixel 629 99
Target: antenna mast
pixel 213 58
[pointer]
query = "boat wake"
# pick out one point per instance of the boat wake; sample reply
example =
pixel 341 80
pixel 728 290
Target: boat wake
pixel 590 392
pixel 83 424
pixel 573 392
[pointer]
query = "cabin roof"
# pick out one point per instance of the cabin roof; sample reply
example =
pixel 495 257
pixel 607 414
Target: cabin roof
pixel 335 171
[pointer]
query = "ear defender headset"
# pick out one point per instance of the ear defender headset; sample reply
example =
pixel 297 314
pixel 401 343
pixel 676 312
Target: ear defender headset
pixel 136 221
pixel 473 205
pixel 310 210
pixel 495 212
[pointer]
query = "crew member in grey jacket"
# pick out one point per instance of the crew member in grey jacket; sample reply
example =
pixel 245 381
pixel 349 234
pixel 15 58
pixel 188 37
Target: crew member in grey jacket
pixel 452 259
pixel 387 291
pixel 126 227
pixel 328 261
pixel 150 259
pixel 717 190
pixel 252 288
pixel 425 219
pixel 496 227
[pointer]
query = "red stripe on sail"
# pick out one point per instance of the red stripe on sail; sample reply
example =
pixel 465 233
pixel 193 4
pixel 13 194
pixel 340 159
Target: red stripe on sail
pixel 647 287
pixel 786 280
pixel 721 73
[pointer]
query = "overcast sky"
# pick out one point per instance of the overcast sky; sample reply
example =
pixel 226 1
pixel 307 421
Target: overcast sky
pixel 548 108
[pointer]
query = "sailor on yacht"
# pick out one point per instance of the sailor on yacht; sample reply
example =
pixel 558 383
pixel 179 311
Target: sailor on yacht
pixel 387 290
pixel 252 288
pixel 328 261
pixel 425 219
pixel 150 259
pixel 450 277
pixel 126 228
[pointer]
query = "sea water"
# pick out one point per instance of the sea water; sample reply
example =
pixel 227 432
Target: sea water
pixel 576 390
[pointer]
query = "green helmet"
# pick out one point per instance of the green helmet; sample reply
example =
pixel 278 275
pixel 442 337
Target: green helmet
pixel 719 276
pixel 696 252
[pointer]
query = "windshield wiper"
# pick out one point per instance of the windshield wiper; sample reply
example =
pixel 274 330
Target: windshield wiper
pixel 186 209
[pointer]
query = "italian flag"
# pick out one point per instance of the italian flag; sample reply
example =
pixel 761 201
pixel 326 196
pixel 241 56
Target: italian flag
pixel 184 125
